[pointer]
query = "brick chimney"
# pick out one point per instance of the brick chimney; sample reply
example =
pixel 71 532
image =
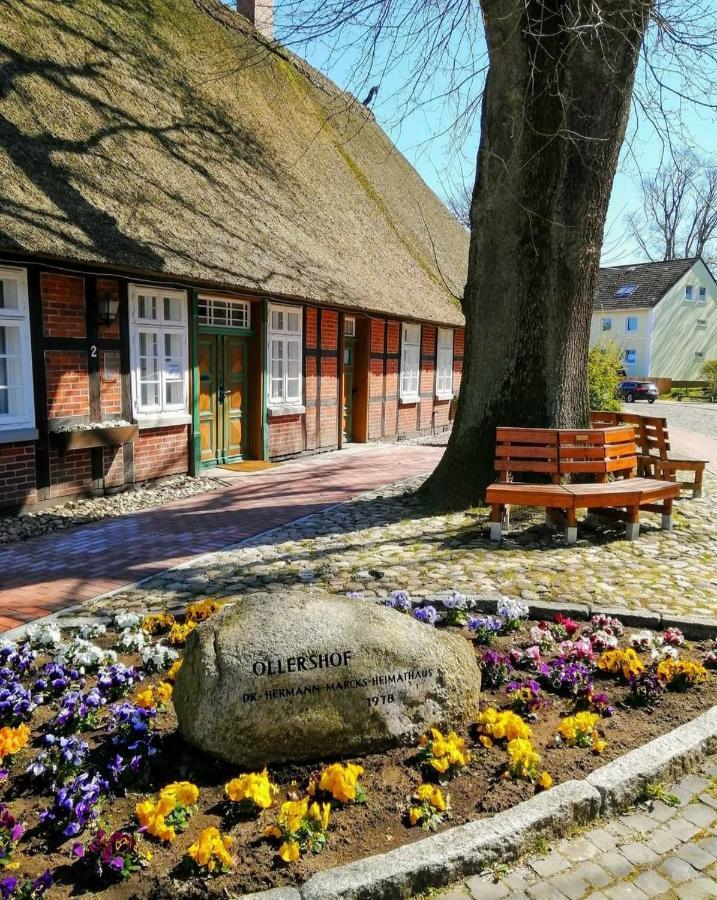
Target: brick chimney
pixel 260 13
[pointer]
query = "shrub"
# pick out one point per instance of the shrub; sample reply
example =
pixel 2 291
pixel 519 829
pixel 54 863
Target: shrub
pixel 709 373
pixel 604 362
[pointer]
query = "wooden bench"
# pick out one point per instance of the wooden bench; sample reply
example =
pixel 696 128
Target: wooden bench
pixel 654 457
pixel 556 455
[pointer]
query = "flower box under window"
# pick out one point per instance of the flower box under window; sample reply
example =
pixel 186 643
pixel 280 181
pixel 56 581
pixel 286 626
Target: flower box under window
pixel 98 436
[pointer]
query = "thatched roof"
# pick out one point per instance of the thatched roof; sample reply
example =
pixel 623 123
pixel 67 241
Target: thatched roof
pixel 164 136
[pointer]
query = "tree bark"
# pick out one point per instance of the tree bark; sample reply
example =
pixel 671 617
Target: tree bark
pixel 555 109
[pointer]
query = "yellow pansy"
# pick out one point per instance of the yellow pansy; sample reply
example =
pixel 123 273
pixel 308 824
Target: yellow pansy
pixel 254 787
pixel 341 781
pixel 183 792
pixel 289 851
pixel 173 670
pixel 545 781
pixel 211 850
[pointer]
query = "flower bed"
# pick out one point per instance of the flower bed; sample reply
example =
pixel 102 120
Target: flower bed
pixel 98 789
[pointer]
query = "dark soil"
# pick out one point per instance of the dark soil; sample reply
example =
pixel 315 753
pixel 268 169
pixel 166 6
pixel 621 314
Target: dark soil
pixel 356 831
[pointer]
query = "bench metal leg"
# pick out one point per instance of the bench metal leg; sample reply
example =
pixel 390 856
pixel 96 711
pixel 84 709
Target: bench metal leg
pixel 632 528
pixel 667 515
pixel 571 531
pixel 496 527
pixel 697 487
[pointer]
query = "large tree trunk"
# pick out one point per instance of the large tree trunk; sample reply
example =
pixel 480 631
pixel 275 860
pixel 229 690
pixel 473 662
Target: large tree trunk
pixel 554 115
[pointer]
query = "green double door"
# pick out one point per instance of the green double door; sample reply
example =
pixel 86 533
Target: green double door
pixel 222 361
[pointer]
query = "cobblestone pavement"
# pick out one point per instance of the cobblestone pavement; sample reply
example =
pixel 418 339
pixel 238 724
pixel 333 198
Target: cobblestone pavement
pixel 47 573
pixel 654 850
pixel 387 539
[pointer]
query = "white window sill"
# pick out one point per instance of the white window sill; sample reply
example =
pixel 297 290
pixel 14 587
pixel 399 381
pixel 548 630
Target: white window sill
pixel 275 411
pixel 11 434
pixel 407 401
pixel 444 396
pixel 163 420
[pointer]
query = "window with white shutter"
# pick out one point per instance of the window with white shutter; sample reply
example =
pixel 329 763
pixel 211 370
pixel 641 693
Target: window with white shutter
pixel 17 403
pixel 158 347
pixel 444 364
pixel 285 354
pixel 410 363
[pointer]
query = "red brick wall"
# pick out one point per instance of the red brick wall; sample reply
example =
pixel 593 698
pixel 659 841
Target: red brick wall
pixel 286 435
pixel 161 451
pixel 63 306
pixel 70 473
pixel 387 416
pixel 458 353
pixel 17 474
pixel 68 391
pixel 110 383
pixel 113 466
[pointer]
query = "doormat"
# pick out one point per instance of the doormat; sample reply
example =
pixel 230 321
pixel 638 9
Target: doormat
pixel 249 465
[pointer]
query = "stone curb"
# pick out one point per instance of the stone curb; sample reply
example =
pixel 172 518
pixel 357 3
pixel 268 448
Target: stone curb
pixel 460 851
pixel 469 849
pixel 666 758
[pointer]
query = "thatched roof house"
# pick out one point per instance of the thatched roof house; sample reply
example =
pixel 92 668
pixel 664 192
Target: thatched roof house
pixel 166 136
pixel 202 235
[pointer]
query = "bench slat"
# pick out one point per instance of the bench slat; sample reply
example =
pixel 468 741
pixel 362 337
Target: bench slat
pixel 527 435
pixel 523 451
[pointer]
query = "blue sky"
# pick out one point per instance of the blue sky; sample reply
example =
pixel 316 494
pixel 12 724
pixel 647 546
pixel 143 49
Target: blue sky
pixel 443 160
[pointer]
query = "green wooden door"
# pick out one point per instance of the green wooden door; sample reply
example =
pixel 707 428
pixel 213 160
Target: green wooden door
pixel 210 445
pixel 233 390
pixel 222 398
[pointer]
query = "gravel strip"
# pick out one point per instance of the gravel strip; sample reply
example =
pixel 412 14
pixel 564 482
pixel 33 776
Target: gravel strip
pixel 92 509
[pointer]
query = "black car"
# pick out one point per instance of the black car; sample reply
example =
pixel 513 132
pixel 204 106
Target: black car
pixel 629 391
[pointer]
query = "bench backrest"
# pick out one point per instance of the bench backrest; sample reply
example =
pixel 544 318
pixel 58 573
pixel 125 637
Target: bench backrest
pixel 527 450
pixel 598 451
pixel 651 433
pixel 558 452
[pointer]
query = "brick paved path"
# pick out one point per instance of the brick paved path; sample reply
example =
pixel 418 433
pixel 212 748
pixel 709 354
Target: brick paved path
pixel 656 850
pixel 51 572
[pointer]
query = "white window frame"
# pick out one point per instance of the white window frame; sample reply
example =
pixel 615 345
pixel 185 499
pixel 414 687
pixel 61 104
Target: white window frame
pixel 689 293
pixel 702 323
pixel 284 337
pixel 634 352
pixel 699 354
pixel 218 320
pixel 702 294
pixel 20 319
pixel 410 381
pixel 159 327
pixel 606 324
pixel 634 319
pixel 444 364
pixel 350 326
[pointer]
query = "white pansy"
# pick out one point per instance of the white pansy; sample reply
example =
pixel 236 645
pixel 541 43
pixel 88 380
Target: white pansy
pixel 85 654
pixel 510 608
pixel 47 635
pixel 92 630
pixel 131 641
pixel 158 657
pixel 124 620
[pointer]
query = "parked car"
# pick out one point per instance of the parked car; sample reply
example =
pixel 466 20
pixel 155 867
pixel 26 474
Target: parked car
pixel 629 391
